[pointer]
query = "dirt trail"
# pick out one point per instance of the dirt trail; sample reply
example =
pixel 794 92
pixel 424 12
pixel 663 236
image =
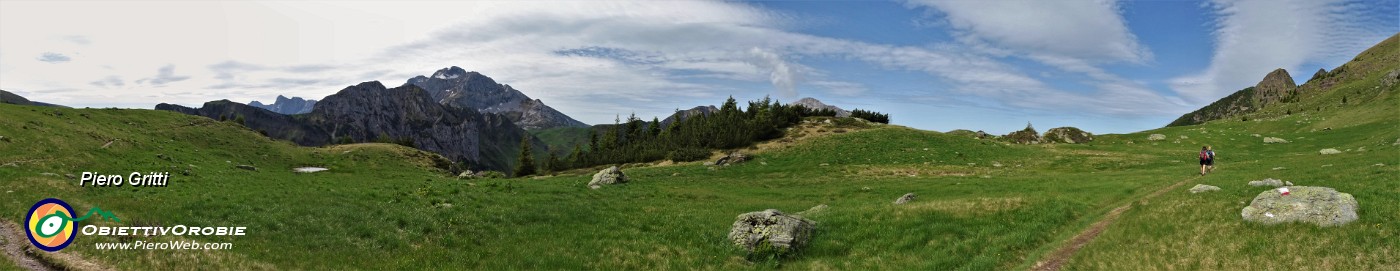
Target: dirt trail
pixel 12 244
pixel 1056 259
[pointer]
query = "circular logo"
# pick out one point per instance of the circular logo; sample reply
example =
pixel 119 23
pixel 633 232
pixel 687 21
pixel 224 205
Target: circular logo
pixel 50 224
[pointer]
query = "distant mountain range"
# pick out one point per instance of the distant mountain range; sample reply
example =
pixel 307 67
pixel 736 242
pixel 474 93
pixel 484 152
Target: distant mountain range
pixel 287 106
pixel 813 103
pixel 370 112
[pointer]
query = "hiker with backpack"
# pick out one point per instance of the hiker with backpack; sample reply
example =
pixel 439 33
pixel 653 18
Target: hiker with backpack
pixel 1207 159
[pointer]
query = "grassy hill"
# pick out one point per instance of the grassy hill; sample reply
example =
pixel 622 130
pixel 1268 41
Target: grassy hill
pixel 982 204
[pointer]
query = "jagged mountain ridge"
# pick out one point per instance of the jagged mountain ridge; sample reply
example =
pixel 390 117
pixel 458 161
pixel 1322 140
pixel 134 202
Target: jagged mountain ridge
pixel 287 106
pixel 369 111
pixel 457 87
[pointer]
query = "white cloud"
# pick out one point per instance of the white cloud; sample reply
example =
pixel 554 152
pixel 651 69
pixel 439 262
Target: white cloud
pixel 1073 36
pixel 1089 30
pixel 1253 37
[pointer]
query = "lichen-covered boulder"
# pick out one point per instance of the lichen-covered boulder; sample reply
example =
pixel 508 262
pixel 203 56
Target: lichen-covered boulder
pixel 1200 188
pixel 611 175
pixel 1321 206
pixel 771 231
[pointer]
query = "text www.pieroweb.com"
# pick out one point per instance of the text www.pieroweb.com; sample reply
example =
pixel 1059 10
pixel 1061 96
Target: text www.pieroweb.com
pixel 165 245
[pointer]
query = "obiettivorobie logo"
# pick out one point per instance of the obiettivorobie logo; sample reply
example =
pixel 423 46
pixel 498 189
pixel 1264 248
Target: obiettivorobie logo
pixel 51 225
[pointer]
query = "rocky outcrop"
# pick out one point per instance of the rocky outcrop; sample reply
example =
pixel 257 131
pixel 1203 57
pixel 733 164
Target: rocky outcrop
pixel 771 231
pixel 1068 135
pixel 1024 136
pixel 287 106
pixel 610 176
pixel 1321 206
pixel 459 88
pixel 813 103
pixel 1276 86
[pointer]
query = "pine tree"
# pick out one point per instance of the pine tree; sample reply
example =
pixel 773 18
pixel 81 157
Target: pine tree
pixel 526 165
pixel 654 130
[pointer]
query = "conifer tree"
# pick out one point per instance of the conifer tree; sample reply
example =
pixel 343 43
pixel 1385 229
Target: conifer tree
pixel 526 165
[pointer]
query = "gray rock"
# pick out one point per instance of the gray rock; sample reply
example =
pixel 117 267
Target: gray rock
pixel 770 229
pixel 1267 182
pixel 813 210
pixel 1199 188
pixel 3 138
pixel 731 158
pixel 906 198
pixel 1155 137
pixel 287 106
pixel 456 87
pixel 1321 206
pixel 246 167
pixel 1329 151
pixel 1271 140
pixel 609 176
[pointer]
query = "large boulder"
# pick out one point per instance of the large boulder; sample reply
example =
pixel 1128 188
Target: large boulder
pixel 1069 135
pixel 1321 206
pixel 1271 140
pixel 1024 136
pixel 770 231
pixel 1329 151
pixel 611 175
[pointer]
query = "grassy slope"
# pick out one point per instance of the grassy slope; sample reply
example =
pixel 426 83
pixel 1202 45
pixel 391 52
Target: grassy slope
pixel 375 210
pixel 1184 231
pixel 562 140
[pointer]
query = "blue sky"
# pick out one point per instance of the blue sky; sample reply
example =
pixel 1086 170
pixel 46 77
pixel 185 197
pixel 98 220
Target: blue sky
pixel 1105 66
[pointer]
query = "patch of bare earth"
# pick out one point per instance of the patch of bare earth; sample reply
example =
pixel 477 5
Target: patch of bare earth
pixel 13 242
pixel 1057 259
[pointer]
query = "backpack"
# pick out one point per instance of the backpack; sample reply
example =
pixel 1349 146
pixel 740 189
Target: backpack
pixel 1205 155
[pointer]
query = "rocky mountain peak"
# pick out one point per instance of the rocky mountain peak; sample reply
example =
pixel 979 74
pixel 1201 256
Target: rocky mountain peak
pixel 813 103
pixel 1276 86
pixel 456 87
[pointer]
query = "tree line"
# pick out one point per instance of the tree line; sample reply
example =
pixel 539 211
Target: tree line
pixel 686 139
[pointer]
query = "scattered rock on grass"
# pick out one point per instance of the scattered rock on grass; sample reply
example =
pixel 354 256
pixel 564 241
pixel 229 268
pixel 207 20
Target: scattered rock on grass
pixel 813 210
pixel 1271 140
pixel 1204 188
pixel 770 229
pixel 246 167
pixel 1155 137
pixel 1329 151
pixel 906 198
pixel 309 169
pixel 1321 206
pixel 611 175
pixel 731 158
pixel 1267 182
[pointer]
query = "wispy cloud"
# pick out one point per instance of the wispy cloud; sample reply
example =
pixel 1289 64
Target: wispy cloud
pixel 164 75
pixel 1253 37
pixel 52 57
pixel 109 81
